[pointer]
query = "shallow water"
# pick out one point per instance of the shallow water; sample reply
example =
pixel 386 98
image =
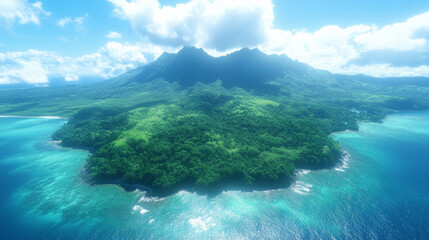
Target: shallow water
pixel 379 190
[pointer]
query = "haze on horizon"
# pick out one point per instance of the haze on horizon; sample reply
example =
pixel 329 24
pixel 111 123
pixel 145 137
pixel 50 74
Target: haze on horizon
pixel 47 40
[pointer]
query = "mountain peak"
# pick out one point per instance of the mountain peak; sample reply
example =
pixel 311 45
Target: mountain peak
pixel 247 54
pixel 164 56
pixel 248 50
pixel 191 50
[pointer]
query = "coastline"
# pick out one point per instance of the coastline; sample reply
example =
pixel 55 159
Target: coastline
pixel 386 117
pixel 43 117
pixel 228 185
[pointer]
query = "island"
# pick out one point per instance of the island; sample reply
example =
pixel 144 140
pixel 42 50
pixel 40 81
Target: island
pixel 191 121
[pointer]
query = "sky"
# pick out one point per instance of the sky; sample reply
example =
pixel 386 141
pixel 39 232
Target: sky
pixel 76 40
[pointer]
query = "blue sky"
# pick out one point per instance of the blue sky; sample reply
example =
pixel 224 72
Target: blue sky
pixel 313 14
pixel 45 39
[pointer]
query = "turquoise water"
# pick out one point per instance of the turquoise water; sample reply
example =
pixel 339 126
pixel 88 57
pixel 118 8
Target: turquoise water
pixel 379 190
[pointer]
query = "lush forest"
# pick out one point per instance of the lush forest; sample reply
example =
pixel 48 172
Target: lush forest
pixel 191 120
pixel 207 138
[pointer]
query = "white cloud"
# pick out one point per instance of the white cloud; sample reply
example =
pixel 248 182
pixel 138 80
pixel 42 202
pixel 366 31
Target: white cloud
pixel 398 36
pixel 124 53
pixel 346 50
pixel 21 11
pixel 114 35
pixel 64 21
pixel 110 60
pixel 25 71
pixel 328 48
pixel 218 24
pixel 76 22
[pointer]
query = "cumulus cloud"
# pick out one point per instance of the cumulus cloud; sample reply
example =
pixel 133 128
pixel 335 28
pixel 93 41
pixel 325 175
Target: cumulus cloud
pixel 114 35
pixel 76 22
pixel 218 24
pixel 21 11
pixel 328 48
pixel 399 36
pixel 25 71
pixel 112 59
pixel 399 49
pixel 392 50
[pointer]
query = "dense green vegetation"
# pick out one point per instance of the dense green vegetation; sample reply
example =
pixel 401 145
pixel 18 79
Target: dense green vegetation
pixel 190 119
pixel 205 139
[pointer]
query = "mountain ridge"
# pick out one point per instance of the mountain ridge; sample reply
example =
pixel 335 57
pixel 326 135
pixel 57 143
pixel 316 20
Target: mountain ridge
pixel 245 68
pixel 249 69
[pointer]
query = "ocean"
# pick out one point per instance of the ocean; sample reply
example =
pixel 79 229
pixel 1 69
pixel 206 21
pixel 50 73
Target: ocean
pixel 379 190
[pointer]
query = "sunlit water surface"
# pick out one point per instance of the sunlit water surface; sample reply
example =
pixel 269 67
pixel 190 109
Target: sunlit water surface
pixel 380 189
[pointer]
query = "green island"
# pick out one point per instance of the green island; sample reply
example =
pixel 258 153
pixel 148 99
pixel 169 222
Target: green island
pixel 189 120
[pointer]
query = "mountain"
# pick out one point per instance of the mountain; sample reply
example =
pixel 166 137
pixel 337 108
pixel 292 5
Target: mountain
pixel 247 69
pixel 191 121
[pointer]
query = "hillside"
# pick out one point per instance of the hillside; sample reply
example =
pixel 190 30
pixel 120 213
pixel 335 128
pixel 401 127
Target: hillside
pixel 189 120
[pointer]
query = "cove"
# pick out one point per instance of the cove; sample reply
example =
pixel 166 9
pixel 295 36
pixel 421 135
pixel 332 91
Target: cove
pixel 378 190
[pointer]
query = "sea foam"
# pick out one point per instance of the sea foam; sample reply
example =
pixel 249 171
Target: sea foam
pixel 145 198
pixel 202 225
pixel 140 209
pixel 344 162
pixel 301 187
pixel 302 172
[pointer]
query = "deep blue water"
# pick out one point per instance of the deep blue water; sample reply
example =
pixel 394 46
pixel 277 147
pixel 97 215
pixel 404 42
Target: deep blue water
pixel 380 190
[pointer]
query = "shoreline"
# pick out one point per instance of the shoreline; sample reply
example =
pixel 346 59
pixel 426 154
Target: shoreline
pixel 43 117
pixel 227 185
pixel 209 191
pixel 381 121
